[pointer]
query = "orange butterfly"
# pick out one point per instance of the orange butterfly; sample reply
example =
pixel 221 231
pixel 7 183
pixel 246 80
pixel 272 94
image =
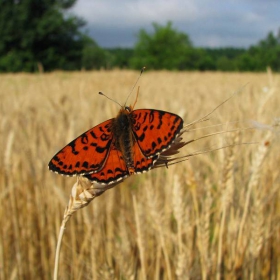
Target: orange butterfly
pixel 129 144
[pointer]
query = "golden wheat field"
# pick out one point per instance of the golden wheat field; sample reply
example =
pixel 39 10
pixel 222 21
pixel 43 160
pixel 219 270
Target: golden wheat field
pixel 214 216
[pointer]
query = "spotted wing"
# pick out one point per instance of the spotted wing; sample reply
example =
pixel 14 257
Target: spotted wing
pixel 141 162
pixel 114 170
pixel 86 154
pixel 155 130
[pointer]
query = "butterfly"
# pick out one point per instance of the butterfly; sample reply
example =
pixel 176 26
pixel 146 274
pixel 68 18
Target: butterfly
pixel 117 148
pixel 129 144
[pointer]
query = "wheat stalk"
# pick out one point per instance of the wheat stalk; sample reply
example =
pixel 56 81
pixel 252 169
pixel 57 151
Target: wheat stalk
pixel 83 192
pixel 192 184
pixel 159 219
pixel 226 197
pixel 140 240
pixel 13 199
pixel 257 228
pixel 123 258
pixel 109 228
pixel 203 231
pixel 180 270
pixel 178 209
pixel 178 206
pixel 254 179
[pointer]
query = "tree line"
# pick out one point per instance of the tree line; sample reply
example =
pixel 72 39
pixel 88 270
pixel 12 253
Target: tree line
pixel 44 36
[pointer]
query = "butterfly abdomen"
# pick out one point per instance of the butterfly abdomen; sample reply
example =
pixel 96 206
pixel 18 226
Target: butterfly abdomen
pixel 123 136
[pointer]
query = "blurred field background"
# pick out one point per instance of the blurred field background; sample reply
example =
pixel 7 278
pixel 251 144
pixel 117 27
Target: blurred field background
pixel 215 216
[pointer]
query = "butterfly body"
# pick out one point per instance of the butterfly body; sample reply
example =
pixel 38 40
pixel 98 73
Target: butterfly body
pixel 117 148
pixel 123 137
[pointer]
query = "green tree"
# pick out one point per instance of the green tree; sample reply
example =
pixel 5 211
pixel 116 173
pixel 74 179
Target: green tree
pixel 164 48
pixel 93 57
pixel 269 42
pixel 225 64
pixel 36 32
pixel 269 51
pixel 120 57
pixel 259 57
pixel 205 62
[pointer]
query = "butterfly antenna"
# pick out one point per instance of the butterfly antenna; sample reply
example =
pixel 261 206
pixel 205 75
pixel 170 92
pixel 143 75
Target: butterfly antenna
pixel 101 93
pixel 142 70
pixel 136 97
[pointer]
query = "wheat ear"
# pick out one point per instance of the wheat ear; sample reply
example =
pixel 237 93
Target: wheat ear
pixel 254 180
pixel 203 231
pixel 83 192
pixel 227 193
pixel 178 211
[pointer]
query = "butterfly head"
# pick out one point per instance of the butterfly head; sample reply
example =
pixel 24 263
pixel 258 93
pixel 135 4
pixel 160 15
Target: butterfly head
pixel 128 108
pixel 125 110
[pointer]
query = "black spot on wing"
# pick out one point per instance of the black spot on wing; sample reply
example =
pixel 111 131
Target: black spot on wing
pixel 73 147
pixel 56 158
pixel 93 135
pixel 151 116
pixel 141 137
pixel 94 166
pixel 84 138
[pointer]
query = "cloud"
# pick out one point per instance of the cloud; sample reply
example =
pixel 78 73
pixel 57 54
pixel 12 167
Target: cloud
pixel 135 13
pixel 225 23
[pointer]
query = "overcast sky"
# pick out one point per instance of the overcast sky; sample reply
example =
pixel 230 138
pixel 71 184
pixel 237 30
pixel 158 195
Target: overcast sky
pixel 238 23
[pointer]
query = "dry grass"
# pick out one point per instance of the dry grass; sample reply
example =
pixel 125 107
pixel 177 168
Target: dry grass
pixel 215 216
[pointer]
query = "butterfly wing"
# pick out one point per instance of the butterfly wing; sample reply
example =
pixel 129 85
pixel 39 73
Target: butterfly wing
pixel 155 130
pixel 141 162
pixel 114 169
pixel 86 154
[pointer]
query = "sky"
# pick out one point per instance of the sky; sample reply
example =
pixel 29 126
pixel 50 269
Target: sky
pixel 228 23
